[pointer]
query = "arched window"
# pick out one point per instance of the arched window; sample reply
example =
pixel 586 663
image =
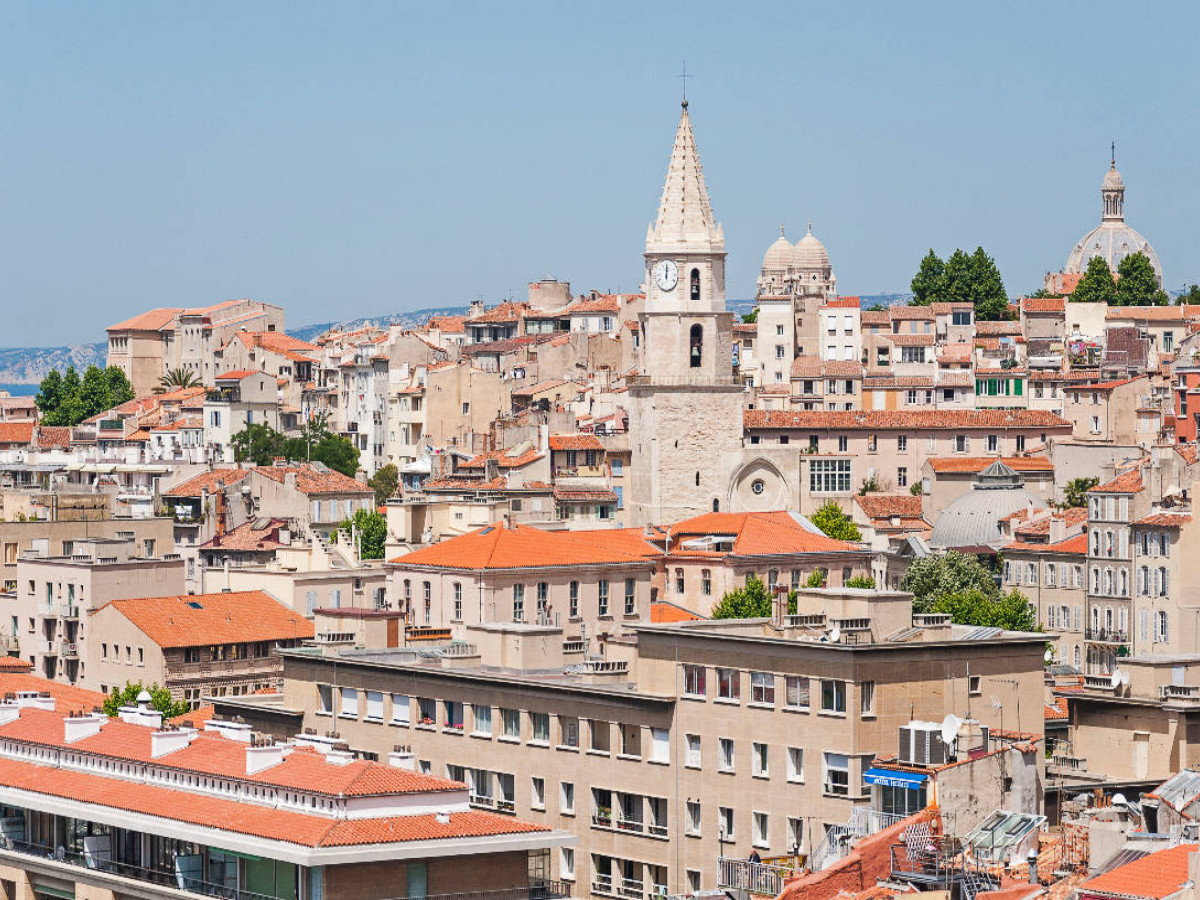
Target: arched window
pixel 716 505
pixel 696 352
pixel 695 284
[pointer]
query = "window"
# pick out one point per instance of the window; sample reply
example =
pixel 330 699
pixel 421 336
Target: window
pixel 762 688
pixel 692 818
pixel 725 822
pixel 537 793
pixel 837 774
pixel 833 696
pixel 400 710
pixel 762 827
pixel 866 697
pixel 706 582
pixel 725 754
pixel 324 694
pixel 693 751
pixel 694 681
pixel 574 600
pixel 993 443
pixel 539 724
pixel 975 685
pixel 829 476
pixel 568 731
pixel 510 723
pixel 458 601
pixel 1162 632
pixel 795 764
pixel 374 706
pixel 902 476
pixel 602 589
pixel 518 603
pixel 630 596
pixel 660 745
pixel 1020 443
pixel 566 798
pixel 349 707
pixel 796 692
pixel 960 443
pixel 795 833
pixel 566 863
pixel 729 685
pixel 482 716
pixel 760 760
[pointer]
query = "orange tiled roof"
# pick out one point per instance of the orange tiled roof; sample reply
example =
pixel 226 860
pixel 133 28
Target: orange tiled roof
pixel 757 534
pixel 523 546
pixel 1165 520
pixel 66 696
pixel 152 320
pixel 1153 877
pixel 997 329
pixel 448 324
pixel 1075 545
pixel 885 506
pixel 1043 304
pixel 1057 711
pixel 575 442
pixel 842 303
pixel 503 460
pixel 275 341
pixel 311 480
pixel 663 612
pixel 505 312
pixel 53 436
pixel 1159 313
pixel 603 303
pixel 247 538
pixel 237 374
pixel 16 432
pixel 225 618
pixel 1128 483
pixel 910 312
pixel 569 495
pixel 971 464
pixel 209 481
pixel 906 419
pixel 14 664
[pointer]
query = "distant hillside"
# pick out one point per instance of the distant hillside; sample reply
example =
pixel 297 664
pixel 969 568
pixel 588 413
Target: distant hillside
pixel 29 365
pixel 409 319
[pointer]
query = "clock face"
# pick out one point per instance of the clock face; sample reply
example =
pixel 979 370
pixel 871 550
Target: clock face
pixel 666 275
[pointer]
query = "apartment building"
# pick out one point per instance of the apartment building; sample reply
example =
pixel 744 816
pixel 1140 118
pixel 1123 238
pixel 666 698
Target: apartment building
pixel 688 743
pixel 130 807
pixel 49 612
pixel 1112 508
pixel 241 397
pixel 195 645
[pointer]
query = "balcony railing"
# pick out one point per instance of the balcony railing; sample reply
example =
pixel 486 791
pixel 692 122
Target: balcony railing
pixel 541 890
pixel 1106 636
pixel 1098 683
pixel 1179 692
pixel 1065 764
pixel 764 879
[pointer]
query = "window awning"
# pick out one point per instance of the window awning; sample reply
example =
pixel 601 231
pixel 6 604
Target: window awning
pixel 892 778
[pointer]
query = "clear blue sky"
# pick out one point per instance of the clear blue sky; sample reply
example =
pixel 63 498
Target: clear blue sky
pixel 360 158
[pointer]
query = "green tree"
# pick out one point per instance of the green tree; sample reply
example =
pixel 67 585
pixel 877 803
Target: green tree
pixel 1011 611
pixel 861 581
pixel 160 699
pixel 70 409
pixel 835 523
pixel 917 488
pixel 960 275
pixel 751 317
pixel 945 574
pixel 119 389
pixel 752 601
pixel 49 397
pixel 929 284
pixel 93 393
pixel 1096 285
pixel 987 288
pixel 176 378
pixel 1075 493
pixel 384 483
pixel 372 532
pixel 816 579
pixel 1138 284
pixel 1189 295
pixel 333 450
pixel 870 485
pixel 258 443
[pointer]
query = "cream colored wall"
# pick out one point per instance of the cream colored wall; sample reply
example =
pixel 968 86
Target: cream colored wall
pixel 109 664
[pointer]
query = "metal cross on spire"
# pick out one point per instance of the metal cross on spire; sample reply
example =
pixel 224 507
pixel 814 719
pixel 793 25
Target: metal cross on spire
pixel 1114 154
pixel 684 76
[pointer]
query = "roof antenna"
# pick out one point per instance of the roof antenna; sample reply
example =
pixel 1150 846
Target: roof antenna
pixel 684 76
pixel 1114 154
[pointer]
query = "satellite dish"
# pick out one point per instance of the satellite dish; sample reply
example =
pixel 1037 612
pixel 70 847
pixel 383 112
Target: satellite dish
pixel 1119 800
pixel 1116 678
pixel 950 726
pixel 835 635
pixel 1049 656
pixel 1124 677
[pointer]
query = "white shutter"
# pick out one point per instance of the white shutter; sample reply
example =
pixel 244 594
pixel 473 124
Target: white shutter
pixel 661 744
pixel 374 704
pixel 349 703
pixel 400 710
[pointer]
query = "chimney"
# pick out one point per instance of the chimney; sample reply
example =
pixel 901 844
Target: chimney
pixel 76 728
pixel 169 740
pixel 264 754
pixel 477 308
pixel 289 480
pixel 232 729
pixel 339 757
pixel 35 700
pixel 402 757
pixel 141 714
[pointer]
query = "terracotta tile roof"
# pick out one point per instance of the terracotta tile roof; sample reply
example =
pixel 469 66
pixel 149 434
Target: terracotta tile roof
pixel 274 341
pixel 503 459
pixel 568 495
pixel 53 436
pixel 972 464
pixel 757 534
pixel 910 312
pixel 955 379
pixel 14 664
pixel 745 328
pixel 1153 876
pixel 16 432
pixel 913 340
pixel 1128 483
pixel 465 484
pixel 523 546
pixel 886 506
pixel 945 309
pixel 66 696
pixel 1154 313
pixel 1043 305
pixel 1075 545
pixel 842 303
pixel 905 419
pixel 959 352
pixel 209 481
pixel 236 617
pixel 806 366
pixel 997 329
pixel 247 538
pixel 505 312
pixel 604 303
pixel 1071 518
pixel 237 374
pixel 1165 520
pixel 448 324
pixel 152 320
pixel 874 317
pixel 663 612
pixel 575 442
pixel 1189 452
pixel 1057 711
pixel 311 480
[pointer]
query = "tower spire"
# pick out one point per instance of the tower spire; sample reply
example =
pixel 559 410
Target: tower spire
pixel 685 217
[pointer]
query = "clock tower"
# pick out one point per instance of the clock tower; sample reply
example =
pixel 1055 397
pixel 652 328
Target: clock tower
pixel 686 405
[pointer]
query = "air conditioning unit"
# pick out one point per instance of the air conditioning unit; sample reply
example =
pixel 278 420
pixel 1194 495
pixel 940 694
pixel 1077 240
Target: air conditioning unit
pixel 921 744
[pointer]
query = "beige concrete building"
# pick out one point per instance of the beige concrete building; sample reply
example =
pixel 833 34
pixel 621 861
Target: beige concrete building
pixel 690 743
pixel 196 645
pixel 55 594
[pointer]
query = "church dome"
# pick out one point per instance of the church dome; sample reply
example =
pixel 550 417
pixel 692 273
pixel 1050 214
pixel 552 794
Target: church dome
pixel 973 520
pixel 779 254
pixel 1112 179
pixel 1112 239
pixel 810 254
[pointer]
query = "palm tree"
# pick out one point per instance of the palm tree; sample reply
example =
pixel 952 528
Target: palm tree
pixel 174 379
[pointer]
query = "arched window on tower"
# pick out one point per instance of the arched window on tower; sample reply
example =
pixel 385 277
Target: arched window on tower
pixel 697 346
pixel 695 282
pixel 716 505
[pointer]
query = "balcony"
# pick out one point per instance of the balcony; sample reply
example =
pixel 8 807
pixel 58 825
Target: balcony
pixel 1106 636
pixel 68 611
pixel 765 878
pixel 70 651
pixel 1101 683
pixel 1179 692
pixel 1067 765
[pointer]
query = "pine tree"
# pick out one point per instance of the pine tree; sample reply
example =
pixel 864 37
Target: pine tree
pixel 987 288
pixel 929 284
pixel 960 278
pixel 1138 284
pixel 1096 285
pixel 119 389
pixel 93 393
pixel 71 408
pixel 49 397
